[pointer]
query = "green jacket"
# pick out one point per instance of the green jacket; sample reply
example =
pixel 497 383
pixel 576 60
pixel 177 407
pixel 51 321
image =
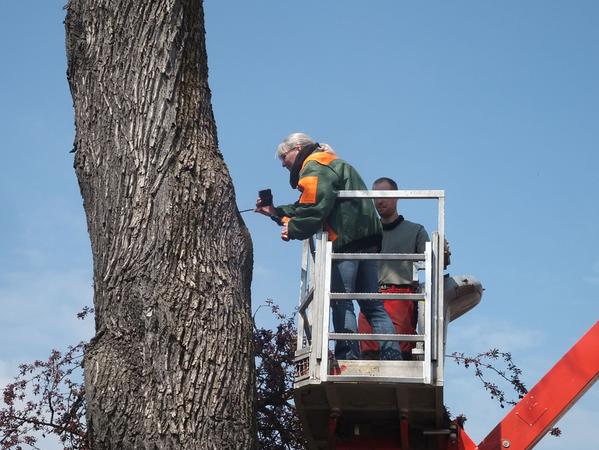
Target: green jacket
pixel 353 224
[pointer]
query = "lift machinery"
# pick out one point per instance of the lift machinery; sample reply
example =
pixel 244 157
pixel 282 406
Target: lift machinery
pixel 385 405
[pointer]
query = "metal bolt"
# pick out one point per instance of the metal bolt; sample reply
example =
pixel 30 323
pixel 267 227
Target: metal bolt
pixel 505 443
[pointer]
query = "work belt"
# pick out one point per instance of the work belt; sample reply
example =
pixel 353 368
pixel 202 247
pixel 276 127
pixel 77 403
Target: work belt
pixel 399 286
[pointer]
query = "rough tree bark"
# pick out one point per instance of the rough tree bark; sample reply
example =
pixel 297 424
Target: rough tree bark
pixel 170 365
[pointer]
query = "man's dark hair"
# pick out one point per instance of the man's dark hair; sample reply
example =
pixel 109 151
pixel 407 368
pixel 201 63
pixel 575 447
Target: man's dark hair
pixel 386 180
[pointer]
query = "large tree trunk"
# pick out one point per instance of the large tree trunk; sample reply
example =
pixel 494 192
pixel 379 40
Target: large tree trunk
pixel 171 364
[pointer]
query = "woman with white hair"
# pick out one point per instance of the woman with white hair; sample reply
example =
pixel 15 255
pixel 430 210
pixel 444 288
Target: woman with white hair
pixel 352 225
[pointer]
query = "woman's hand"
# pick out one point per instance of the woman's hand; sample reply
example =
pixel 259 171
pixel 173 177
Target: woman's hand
pixel 285 232
pixel 265 210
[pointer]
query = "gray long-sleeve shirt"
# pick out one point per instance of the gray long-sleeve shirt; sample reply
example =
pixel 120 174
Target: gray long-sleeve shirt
pixel 401 236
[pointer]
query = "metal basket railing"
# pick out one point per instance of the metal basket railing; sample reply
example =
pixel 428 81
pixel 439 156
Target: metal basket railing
pixel 312 355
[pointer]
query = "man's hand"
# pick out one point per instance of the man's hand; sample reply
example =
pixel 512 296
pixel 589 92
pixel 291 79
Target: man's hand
pixel 446 254
pixel 285 232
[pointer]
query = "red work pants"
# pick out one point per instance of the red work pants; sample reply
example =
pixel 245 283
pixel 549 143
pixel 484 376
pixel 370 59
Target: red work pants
pixel 403 315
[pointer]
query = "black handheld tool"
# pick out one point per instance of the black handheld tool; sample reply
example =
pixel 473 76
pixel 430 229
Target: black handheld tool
pixel 266 197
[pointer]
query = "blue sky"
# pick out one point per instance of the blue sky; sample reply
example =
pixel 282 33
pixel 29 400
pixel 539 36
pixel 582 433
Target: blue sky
pixel 497 103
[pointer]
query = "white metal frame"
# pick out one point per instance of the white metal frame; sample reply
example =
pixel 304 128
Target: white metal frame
pixel 315 297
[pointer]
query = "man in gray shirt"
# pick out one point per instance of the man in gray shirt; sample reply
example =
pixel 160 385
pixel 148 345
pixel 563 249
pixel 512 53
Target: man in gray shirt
pixel 399 236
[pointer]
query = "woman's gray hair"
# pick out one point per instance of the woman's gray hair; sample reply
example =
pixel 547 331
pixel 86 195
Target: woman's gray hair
pixel 301 139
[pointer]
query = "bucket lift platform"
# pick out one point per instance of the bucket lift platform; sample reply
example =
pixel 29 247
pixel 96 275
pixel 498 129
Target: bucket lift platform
pixel 390 404
pixel 342 410
pixel 398 405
